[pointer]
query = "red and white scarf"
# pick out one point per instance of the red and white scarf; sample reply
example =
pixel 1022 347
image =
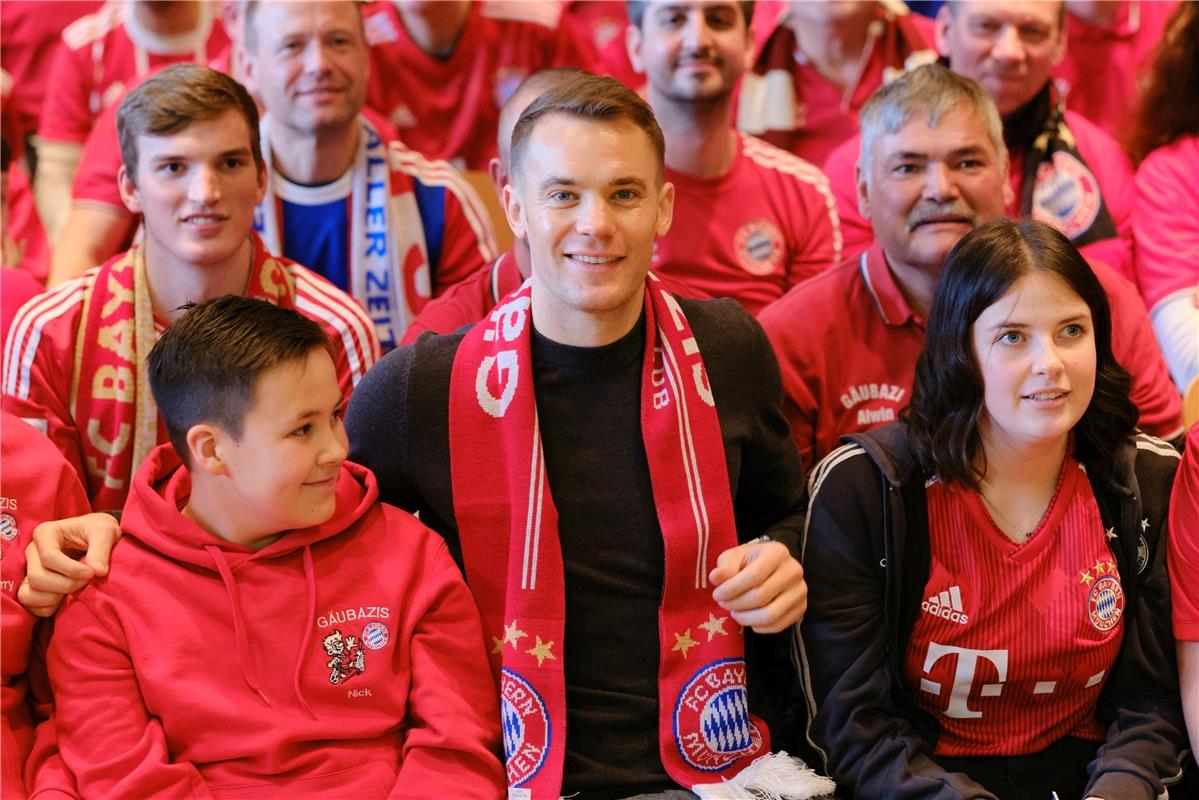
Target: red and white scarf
pixel 111 400
pixel 389 265
pixel 508 528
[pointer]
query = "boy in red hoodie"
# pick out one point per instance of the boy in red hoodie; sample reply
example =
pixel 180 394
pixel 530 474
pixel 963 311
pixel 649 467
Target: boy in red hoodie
pixel 272 629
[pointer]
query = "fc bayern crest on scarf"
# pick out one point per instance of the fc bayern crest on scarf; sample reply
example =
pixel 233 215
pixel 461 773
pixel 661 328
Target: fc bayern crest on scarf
pixel 526 726
pixel 1066 195
pixel 712 725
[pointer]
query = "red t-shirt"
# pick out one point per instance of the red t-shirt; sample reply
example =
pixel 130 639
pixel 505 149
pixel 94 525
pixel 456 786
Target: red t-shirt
pixel 847 343
pixel 106 53
pixel 450 109
pixel 787 102
pixel 753 233
pixel 1014 641
pixel 1184 543
pixel 1101 74
pixel 467 301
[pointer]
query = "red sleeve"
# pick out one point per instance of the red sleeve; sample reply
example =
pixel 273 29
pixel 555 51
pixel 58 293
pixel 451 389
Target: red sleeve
pixel 1135 346
pixel 109 740
pixel 66 115
pixel 38 359
pixel 1114 173
pixel 453 729
pixel 800 405
pixel 817 242
pixel 1184 543
pixel 1166 222
pixel 856 233
pixel 96 179
pixel 350 330
pixel 468 243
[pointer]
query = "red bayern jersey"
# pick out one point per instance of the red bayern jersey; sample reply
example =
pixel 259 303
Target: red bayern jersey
pixel 1105 162
pixel 751 234
pixel 847 343
pixel 1184 543
pixel 32 32
pixel 1014 642
pixel 787 102
pixel 449 109
pixel 40 353
pixel 1103 69
pixel 106 53
pixel 467 301
pixel 1166 221
pixel 39 485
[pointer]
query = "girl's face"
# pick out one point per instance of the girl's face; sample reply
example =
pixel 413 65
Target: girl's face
pixel 1035 348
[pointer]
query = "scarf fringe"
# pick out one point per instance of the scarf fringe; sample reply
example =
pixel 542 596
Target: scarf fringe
pixel 774 776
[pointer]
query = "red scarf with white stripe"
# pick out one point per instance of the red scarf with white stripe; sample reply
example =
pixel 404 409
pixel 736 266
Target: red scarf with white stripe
pixel 111 400
pixel 509 532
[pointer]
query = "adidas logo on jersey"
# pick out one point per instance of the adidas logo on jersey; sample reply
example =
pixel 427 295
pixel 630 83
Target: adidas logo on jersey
pixel 947 605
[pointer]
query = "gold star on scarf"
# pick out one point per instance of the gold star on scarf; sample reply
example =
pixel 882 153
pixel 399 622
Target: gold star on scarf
pixel 499 644
pixel 513 635
pixel 714 625
pixel 683 642
pixel 541 651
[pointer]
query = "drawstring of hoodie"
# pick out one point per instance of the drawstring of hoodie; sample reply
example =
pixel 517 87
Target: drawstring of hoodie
pixel 310 578
pixel 239 628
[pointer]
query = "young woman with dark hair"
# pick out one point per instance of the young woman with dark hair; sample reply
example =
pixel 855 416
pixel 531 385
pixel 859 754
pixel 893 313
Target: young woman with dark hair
pixel 988 601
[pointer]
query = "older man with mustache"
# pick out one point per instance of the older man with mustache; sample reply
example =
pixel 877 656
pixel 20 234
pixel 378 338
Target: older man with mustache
pixel 932 165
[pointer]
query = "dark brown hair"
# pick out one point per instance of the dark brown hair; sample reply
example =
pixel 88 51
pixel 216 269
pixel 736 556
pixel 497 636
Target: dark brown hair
pixel 174 98
pixel 1169 105
pixel 203 368
pixel 636 11
pixel 947 396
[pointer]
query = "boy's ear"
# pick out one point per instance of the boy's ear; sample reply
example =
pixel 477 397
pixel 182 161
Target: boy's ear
pixel 204 449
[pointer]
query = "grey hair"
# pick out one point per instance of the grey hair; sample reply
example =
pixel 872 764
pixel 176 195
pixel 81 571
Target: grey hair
pixel 932 90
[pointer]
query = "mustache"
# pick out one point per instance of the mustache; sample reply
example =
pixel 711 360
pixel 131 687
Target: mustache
pixel 931 213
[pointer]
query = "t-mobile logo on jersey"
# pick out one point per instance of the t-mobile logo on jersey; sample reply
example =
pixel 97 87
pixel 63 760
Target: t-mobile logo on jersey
pixel 963 677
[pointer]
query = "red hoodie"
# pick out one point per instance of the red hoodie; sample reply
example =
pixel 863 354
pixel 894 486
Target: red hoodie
pixel 344 660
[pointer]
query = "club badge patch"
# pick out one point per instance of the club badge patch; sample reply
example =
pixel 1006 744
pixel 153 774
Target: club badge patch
pixel 758 245
pixel 1066 195
pixel 1105 603
pixel 8 527
pixel 712 726
pixel 526 726
pixel 346 657
pixel 375 636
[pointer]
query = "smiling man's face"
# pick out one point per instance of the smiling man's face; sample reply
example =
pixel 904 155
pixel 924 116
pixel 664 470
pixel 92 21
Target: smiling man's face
pixel 927 186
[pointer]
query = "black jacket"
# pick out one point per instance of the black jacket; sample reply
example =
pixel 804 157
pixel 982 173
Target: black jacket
pixel 866 557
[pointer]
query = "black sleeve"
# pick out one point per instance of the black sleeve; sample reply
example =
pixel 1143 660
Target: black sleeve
pixel 765 472
pixel 1140 703
pixel 377 424
pixel 872 747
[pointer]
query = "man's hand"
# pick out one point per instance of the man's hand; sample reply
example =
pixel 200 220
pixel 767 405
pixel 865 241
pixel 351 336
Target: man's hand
pixel 51 573
pixel 761 586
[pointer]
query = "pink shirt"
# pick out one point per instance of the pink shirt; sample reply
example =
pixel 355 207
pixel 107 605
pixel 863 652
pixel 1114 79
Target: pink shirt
pixel 1166 221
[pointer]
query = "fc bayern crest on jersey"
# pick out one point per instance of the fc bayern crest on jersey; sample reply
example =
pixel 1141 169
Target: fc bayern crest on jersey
pixel 526 726
pixel 8 527
pixel 712 726
pixel 1066 195
pixel 758 245
pixel 1105 603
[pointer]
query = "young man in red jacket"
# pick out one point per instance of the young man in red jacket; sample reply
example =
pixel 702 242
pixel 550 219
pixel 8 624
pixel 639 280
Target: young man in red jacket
pixel 264 590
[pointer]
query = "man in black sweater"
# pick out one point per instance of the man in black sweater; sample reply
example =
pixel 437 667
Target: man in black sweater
pixel 589 198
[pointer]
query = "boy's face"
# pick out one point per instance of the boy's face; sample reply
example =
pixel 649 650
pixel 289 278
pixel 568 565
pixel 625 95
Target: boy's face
pixel 282 473
pixel 196 189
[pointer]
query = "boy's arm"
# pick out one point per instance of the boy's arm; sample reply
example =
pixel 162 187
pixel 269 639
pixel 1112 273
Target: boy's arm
pixel 453 731
pixel 108 738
